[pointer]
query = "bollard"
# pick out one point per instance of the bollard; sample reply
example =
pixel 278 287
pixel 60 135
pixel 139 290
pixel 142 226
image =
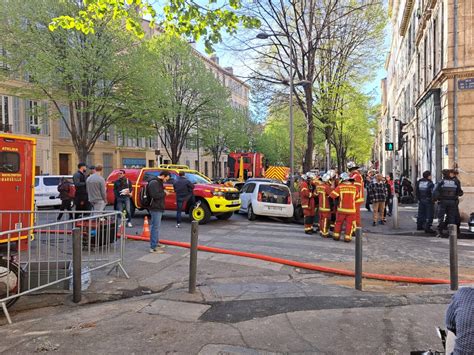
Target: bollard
pixel 395 211
pixel 358 259
pixel 76 265
pixel 453 256
pixel 193 256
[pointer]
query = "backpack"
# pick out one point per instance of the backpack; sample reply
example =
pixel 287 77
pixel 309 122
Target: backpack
pixel 144 196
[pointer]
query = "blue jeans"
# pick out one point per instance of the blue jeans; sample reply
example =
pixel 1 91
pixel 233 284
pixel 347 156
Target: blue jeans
pixel 425 214
pixel 155 228
pixel 124 202
pixel 179 208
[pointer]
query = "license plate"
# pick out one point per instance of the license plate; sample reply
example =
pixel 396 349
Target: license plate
pixel 235 203
pixel 274 208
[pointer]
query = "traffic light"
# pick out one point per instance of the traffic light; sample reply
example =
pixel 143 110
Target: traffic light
pixel 389 147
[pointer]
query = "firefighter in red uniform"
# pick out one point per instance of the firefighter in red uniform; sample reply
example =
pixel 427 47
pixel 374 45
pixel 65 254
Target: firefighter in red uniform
pixel 355 174
pixel 315 182
pixel 307 203
pixel 324 189
pixel 348 194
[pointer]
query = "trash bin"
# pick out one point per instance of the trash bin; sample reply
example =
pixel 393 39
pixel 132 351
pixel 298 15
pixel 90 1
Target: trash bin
pixel 97 232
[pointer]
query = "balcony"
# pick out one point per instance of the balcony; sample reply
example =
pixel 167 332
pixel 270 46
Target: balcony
pixel 7 128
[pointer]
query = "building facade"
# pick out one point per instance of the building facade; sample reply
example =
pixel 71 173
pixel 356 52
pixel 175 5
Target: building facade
pixel 117 148
pixel 428 95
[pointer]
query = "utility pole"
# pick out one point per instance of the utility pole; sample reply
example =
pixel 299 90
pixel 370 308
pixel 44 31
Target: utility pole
pixel 394 171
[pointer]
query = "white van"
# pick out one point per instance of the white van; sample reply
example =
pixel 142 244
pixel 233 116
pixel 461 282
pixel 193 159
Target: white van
pixel 46 190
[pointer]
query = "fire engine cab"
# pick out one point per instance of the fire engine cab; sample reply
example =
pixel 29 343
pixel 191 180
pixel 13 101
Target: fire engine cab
pixel 253 165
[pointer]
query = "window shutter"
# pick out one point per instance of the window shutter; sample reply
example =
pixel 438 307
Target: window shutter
pixel 44 119
pixel 26 105
pixel 63 131
pixel 16 115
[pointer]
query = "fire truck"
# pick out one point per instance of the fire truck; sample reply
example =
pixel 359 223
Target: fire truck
pixel 253 165
pixel 17 179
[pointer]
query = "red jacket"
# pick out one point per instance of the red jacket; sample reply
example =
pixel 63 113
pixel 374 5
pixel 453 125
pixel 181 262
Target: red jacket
pixel 348 194
pixel 359 182
pixel 307 198
pixel 324 190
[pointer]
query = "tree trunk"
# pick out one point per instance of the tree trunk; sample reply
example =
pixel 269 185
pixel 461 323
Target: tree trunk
pixel 82 154
pixel 308 155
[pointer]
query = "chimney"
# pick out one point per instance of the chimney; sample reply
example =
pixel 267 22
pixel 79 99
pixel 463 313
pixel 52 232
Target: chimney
pixel 215 59
pixel 230 70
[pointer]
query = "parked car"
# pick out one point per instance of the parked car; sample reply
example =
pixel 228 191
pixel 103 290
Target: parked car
pixel 266 197
pixel 215 200
pixel 46 190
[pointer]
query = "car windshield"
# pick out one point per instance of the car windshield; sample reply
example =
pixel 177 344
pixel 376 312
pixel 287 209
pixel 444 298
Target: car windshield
pixel 51 181
pixel 195 178
pixel 37 182
pixel 274 193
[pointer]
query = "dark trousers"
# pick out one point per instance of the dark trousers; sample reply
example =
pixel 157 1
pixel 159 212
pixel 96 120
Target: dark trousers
pixel 448 213
pixel 179 205
pixel 65 205
pixel 82 204
pixel 425 214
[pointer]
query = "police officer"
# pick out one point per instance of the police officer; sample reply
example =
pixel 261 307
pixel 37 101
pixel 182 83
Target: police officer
pixel 424 192
pixel 447 192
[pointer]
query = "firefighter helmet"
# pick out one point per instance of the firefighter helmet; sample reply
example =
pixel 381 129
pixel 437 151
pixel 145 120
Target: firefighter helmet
pixel 345 177
pixel 332 173
pixel 352 165
pixel 326 177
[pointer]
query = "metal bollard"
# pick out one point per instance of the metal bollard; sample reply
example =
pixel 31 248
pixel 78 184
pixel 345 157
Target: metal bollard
pixel 395 211
pixel 453 256
pixel 193 256
pixel 76 265
pixel 358 259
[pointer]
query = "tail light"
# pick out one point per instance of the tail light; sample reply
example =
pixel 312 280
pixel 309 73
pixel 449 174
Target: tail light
pixel 259 196
pixel 288 200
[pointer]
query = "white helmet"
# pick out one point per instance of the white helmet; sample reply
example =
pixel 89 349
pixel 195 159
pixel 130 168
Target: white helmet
pixel 304 177
pixel 344 177
pixel 326 177
pixel 332 173
pixel 352 165
pixel 310 175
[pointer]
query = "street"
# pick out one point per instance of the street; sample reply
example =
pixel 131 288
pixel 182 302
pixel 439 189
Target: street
pixel 245 305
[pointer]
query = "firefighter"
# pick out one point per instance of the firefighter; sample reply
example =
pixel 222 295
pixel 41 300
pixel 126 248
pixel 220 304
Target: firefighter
pixel 355 174
pixel 447 192
pixel 324 189
pixel 348 193
pixel 315 182
pixel 307 202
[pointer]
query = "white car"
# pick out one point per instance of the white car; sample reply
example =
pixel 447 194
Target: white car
pixel 265 197
pixel 46 190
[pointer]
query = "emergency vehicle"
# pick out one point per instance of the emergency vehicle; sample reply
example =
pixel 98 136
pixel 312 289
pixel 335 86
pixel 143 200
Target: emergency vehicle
pixel 17 179
pixel 215 200
pixel 253 165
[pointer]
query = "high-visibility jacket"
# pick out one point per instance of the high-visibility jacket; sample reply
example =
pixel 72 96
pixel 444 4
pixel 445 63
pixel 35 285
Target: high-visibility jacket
pixel 348 194
pixel 324 190
pixel 307 200
pixel 359 182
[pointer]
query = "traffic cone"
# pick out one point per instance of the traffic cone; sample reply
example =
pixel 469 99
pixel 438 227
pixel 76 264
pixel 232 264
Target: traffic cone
pixel 146 229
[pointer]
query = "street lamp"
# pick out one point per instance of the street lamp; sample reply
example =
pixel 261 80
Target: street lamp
pixel 395 198
pixel 263 35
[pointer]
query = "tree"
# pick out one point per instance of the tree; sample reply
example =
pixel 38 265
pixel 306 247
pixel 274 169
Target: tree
pixel 86 73
pixel 180 94
pixel 181 17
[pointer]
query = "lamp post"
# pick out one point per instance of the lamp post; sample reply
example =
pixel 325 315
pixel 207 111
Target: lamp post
pixel 263 35
pixel 395 198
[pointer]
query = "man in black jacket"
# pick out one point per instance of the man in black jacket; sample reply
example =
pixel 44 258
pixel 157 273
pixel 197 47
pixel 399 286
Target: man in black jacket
pixel 81 199
pixel 424 193
pixel 123 193
pixel 447 192
pixel 157 192
pixel 184 192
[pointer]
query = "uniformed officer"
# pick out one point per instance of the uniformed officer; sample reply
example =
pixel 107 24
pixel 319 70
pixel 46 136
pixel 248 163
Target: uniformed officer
pixel 424 192
pixel 355 175
pixel 324 189
pixel 307 202
pixel 447 192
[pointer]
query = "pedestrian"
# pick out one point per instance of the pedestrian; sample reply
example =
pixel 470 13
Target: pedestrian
pixel 307 202
pixel 96 191
pixel 367 181
pixel 66 195
pixel 81 199
pixel 460 321
pixel 424 193
pixel 447 193
pixel 122 193
pixel 183 189
pixel 355 175
pixel 378 195
pixel 347 193
pixel 157 192
pixel 323 191
pixel 391 191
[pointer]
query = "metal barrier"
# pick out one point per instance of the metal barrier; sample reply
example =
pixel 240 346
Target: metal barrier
pixel 40 254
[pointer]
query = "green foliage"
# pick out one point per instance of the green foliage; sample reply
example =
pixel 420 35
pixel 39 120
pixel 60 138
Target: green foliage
pixel 181 17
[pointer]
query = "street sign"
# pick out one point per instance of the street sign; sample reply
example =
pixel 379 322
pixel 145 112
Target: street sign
pixel 466 84
pixel 389 147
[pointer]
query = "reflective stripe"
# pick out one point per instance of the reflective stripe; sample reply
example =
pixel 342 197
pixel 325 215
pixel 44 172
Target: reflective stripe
pixel 305 206
pixel 346 210
pixel 324 209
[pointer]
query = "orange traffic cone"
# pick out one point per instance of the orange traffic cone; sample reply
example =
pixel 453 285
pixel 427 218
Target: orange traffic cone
pixel 146 229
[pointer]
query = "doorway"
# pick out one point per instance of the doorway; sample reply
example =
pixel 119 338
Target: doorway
pixel 64 164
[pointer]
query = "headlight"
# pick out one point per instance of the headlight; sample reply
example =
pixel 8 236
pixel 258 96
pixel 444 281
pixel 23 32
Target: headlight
pixel 218 193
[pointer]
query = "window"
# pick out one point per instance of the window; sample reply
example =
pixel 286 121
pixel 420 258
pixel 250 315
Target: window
pixel 206 169
pixel 435 47
pixel 107 159
pixel 9 162
pixel 274 193
pixel 51 181
pixel 5 123
pixel 250 188
pixel 65 117
pixel 34 120
pixel 37 182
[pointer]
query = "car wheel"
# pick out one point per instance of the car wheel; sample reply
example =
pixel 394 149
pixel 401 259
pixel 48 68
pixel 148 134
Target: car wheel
pixel 250 215
pixel 202 213
pixel 224 216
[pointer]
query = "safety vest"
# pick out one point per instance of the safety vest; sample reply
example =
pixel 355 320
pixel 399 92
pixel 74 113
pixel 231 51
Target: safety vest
pixel 324 190
pixel 305 194
pixel 348 194
pixel 359 182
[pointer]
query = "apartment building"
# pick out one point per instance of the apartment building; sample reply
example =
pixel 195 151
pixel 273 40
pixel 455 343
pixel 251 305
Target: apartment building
pixel 428 95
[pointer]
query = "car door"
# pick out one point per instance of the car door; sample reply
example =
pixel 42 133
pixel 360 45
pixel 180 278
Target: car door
pixel 244 198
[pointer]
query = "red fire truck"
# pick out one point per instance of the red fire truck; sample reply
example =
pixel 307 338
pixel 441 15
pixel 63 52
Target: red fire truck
pixel 17 180
pixel 253 163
